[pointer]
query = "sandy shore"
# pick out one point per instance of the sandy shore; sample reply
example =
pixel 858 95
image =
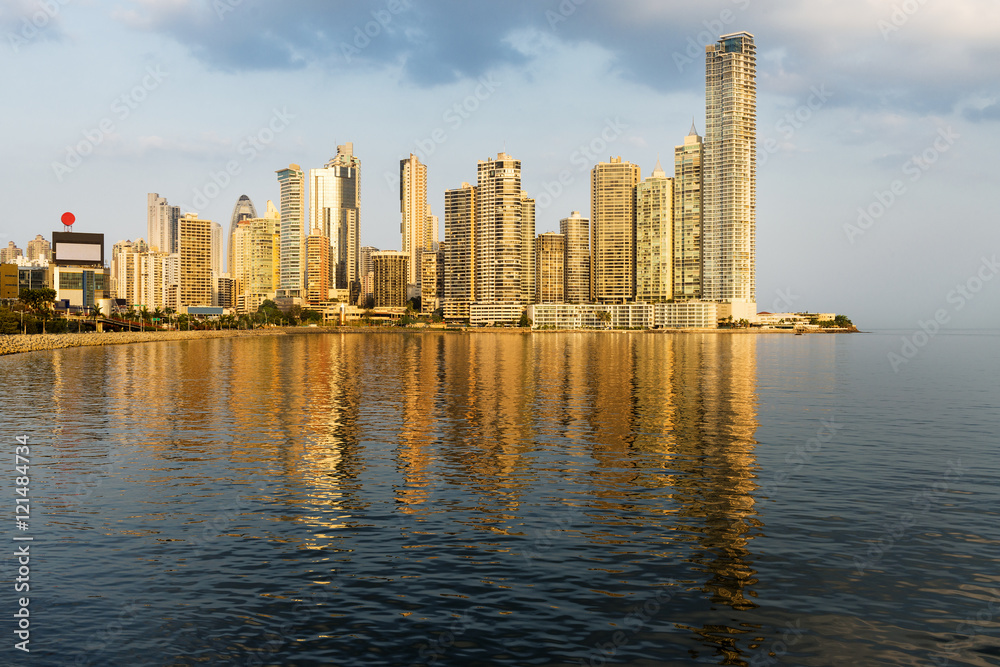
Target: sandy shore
pixel 31 343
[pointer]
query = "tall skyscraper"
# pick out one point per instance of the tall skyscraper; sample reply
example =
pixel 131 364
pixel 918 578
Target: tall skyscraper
pixel 162 223
pixel 195 239
pixel 418 227
pixel 729 230
pixel 335 212
pixel 688 210
pixel 217 247
pixel 612 216
pixel 292 234
pixel 550 264
pixel 243 210
pixel 460 251
pixel 500 224
pixel 527 249
pixel 367 277
pixel 654 222
pixel 576 279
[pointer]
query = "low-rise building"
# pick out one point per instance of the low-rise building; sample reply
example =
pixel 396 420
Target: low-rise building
pixel 686 315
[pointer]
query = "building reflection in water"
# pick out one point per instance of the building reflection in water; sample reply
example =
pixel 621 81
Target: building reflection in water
pixel 649 436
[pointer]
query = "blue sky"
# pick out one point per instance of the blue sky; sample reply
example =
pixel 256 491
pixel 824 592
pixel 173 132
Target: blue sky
pixel 887 108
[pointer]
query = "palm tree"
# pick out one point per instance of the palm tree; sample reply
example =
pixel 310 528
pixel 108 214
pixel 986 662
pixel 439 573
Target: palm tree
pixel 157 315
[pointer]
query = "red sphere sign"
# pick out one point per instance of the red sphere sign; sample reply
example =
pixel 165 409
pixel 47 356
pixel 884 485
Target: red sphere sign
pixel 68 218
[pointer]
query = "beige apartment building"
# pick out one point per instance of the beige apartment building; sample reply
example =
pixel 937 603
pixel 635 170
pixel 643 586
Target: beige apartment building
pixel 576 278
pixel 195 240
pixel 654 238
pixel 612 216
pixel 460 251
pixel 550 267
pixel 392 271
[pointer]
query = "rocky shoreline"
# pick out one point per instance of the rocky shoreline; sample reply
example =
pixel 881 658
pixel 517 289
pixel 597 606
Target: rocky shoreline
pixel 36 342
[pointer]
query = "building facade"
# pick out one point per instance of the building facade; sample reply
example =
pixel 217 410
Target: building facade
pixel 688 210
pixel 460 251
pixel 10 254
pixel 576 279
pixel 317 269
pixel 500 274
pixel 612 236
pixel 431 281
pixel 729 228
pixel 195 240
pixel 292 234
pixel 550 268
pixel 39 249
pixel 418 228
pixel 654 223
pixel 335 211
pixel 258 244
pixel 243 210
pixel 162 221
pixel 392 273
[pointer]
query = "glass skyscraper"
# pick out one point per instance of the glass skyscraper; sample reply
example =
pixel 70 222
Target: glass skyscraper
pixel 729 229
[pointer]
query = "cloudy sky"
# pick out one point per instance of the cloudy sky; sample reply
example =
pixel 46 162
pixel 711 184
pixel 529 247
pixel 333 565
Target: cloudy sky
pixel 877 121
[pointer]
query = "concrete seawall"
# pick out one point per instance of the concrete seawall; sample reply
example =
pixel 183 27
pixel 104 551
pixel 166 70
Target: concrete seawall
pixel 35 342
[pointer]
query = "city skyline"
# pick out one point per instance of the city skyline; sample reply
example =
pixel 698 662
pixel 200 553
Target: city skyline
pixel 834 137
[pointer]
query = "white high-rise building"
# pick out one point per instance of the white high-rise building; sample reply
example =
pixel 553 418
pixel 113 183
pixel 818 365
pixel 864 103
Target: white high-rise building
pixel 291 234
pixel 729 228
pixel 335 212
pixel 503 217
pixel 162 224
pixel 418 227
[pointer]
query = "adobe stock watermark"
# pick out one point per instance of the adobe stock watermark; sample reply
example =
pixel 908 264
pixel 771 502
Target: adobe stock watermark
pixel 695 50
pixel 784 300
pixel 435 649
pixel 454 117
pixel 899 17
pixel 583 158
pixel 804 453
pixel 121 108
pixel 638 617
pixel 958 298
pixel 250 147
pixel 915 168
pixel 542 541
pixel 779 647
pixel 33 26
pixel 922 503
pixel 363 35
pixel 565 9
pixel 982 623
pixel 793 121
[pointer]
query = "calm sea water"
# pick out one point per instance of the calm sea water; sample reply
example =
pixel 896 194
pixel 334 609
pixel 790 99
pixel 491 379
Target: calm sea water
pixel 508 499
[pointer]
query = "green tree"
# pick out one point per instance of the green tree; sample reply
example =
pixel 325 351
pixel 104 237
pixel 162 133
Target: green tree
pixel 525 321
